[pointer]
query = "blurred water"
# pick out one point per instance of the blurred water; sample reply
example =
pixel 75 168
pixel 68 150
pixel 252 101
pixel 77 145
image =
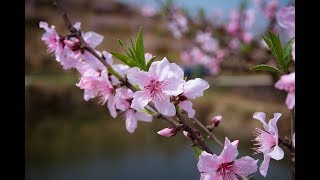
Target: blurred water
pixel 153 164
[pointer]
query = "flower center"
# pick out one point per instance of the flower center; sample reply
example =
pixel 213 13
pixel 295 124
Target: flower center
pixel 264 141
pixel 225 167
pixel 154 87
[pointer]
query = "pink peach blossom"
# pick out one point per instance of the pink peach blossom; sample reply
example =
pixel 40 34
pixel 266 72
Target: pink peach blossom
pixel 52 39
pixel 192 89
pixel 163 80
pixel 286 19
pixel 287 83
pixel 225 166
pixel 267 140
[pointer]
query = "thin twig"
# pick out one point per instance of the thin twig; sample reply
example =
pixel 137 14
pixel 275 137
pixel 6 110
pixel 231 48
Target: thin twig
pixel 211 135
pixel 200 143
pixel 193 134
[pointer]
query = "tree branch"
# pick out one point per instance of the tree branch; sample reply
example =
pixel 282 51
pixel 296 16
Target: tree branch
pixel 200 143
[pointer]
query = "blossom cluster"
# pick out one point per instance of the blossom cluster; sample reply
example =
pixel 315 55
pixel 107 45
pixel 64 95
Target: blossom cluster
pixel 163 84
pixel 206 53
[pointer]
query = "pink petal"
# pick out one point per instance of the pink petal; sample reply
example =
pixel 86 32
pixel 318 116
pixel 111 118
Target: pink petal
pixel 89 94
pixel 93 39
pixel 131 121
pixel 264 165
pixel 111 106
pixel 208 162
pixel 187 106
pixel 286 17
pixel 141 116
pixel 173 86
pixel 210 176
pixel 261 116
pixel 140 100
pixel 165 107
pixel 147 56
pixel 168 132
pixel 93 61
pixel 273 123
pixel 290 100
pixel 194 88
pixel 245 166
pixel 77 25
pixel 176 71
pixel 135 76
pixel 160 69
pixel 44 25
pixel 108 57
pixel 277 153
pixel 229 152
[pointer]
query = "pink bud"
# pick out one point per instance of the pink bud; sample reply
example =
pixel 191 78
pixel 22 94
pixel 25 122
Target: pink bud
pixel 215 121
pixel 168 132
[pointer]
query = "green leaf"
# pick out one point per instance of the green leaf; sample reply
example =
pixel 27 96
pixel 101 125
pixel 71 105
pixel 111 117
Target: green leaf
pixel 197 151
pixel 139 52
pixel 287 48
pixel 150 62
pixel 125 59
pixel 265 67
pixel 120 42
pixel 276 49
pixel 267 40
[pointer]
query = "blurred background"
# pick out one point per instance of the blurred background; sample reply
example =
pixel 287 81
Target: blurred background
pixel 68 138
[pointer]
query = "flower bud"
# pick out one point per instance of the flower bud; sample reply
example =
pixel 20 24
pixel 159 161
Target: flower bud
pixel 168 132
pixel 215 121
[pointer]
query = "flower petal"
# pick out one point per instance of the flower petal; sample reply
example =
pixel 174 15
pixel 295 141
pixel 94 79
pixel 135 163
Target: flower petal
pixel 187 106
pixel 210 176
pixel 277 153
pixel 135 76
pixel 140 100
pixel 164 106
pixel 93 39
pixel 77 25
pixel 273 124
pixel 173 86
pixel 261 116
pixel 229 152
pixel 108 57
pixel 160 69
pixel 93 61
pixel 131 121
pixel 111 106
pixel 141 116
pixel 290 100
pixel 208 162
pixel 245 166
pixel 264 165
pixel 194 88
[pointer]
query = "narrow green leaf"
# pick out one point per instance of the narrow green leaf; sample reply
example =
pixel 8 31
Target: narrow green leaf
pixel 265 67
pixel 150 62
pixel 139 52
pixel 267 40
pixel 131 54
pixel 133 46
pixel 276 50
pixel 127 60
pixel 120 42
pixel 197 151
pixel 287 47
